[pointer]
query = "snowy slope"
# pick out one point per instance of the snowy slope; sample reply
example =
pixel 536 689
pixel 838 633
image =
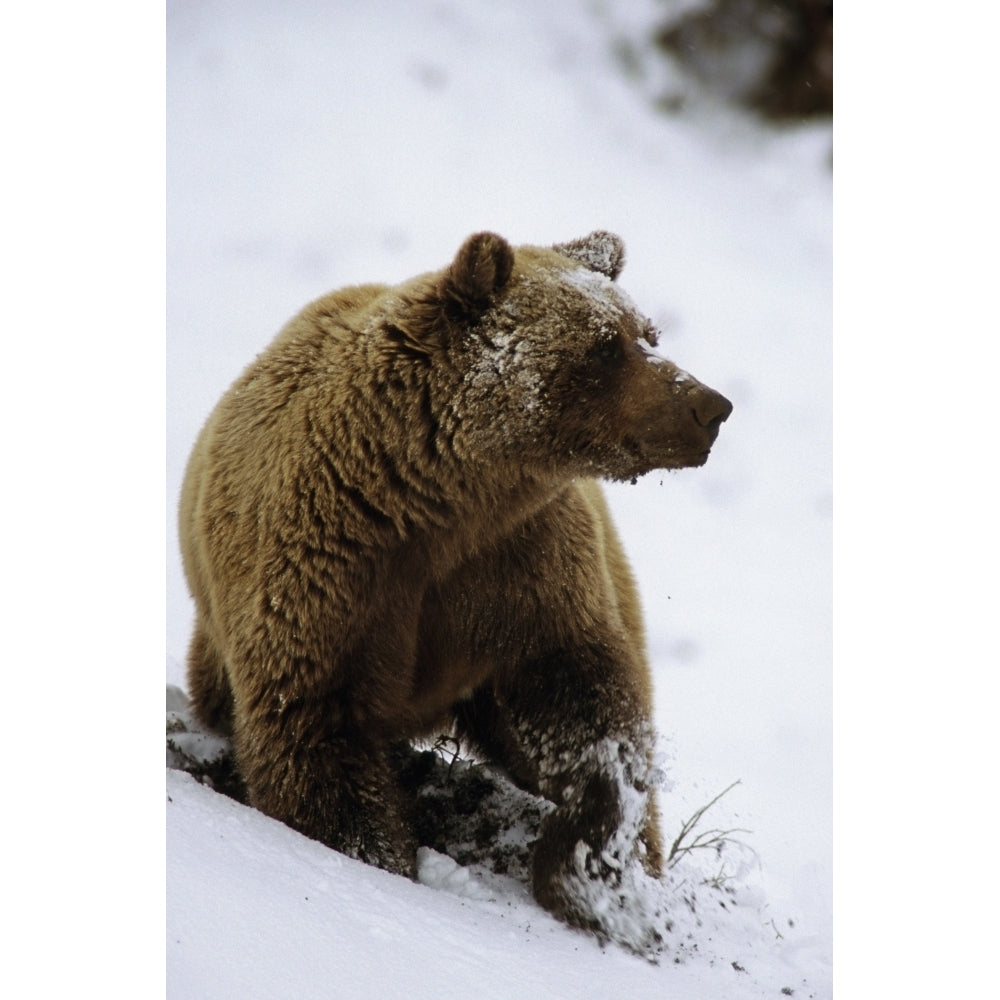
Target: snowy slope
pixel 311 146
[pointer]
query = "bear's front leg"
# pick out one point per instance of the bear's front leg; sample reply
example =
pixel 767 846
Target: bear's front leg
pixel 600 838
pixel 306 766
pixel 575 728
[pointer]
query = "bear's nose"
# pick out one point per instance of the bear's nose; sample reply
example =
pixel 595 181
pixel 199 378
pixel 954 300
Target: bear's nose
pixel 711 408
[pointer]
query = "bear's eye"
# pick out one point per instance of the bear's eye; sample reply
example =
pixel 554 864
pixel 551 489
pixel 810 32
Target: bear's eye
pixel 607 352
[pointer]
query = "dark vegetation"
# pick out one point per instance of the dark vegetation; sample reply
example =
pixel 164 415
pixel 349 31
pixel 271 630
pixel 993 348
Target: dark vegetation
pixel 772 56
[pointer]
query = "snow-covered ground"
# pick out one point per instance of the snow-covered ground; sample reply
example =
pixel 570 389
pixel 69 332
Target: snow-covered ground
pixel 312 145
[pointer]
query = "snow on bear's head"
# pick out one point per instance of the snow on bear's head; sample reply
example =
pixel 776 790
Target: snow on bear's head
pixel 542 359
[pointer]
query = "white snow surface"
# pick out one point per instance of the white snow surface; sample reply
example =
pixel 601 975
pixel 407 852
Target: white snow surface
pixel 313 145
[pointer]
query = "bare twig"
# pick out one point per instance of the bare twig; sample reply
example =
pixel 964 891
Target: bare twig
pixel 705 839
pixel 445 744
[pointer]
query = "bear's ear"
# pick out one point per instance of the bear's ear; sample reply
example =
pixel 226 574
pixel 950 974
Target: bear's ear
pixel 601 251
pixel 480 269
pixel 465 291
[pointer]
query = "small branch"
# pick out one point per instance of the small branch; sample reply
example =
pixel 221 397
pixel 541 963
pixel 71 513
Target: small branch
pixel 707 838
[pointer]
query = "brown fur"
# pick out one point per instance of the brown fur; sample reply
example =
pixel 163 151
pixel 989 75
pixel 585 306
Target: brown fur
pixel 389 525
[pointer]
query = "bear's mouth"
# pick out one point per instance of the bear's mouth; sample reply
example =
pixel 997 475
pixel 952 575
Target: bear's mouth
pixel 672 458
pixel 631 459
pixel 686 460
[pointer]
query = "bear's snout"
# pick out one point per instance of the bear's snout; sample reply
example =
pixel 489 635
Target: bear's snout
pixel 711 410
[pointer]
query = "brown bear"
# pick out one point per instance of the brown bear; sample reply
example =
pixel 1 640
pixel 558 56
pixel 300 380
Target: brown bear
pixel 389 526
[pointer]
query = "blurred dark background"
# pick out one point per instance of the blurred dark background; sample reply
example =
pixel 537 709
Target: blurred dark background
pixel 772 56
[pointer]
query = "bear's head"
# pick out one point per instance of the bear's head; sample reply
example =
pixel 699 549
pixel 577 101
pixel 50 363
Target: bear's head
pixel 539 357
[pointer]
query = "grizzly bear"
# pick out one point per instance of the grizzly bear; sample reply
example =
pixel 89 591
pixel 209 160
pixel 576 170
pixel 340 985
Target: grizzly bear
pixel 390 526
